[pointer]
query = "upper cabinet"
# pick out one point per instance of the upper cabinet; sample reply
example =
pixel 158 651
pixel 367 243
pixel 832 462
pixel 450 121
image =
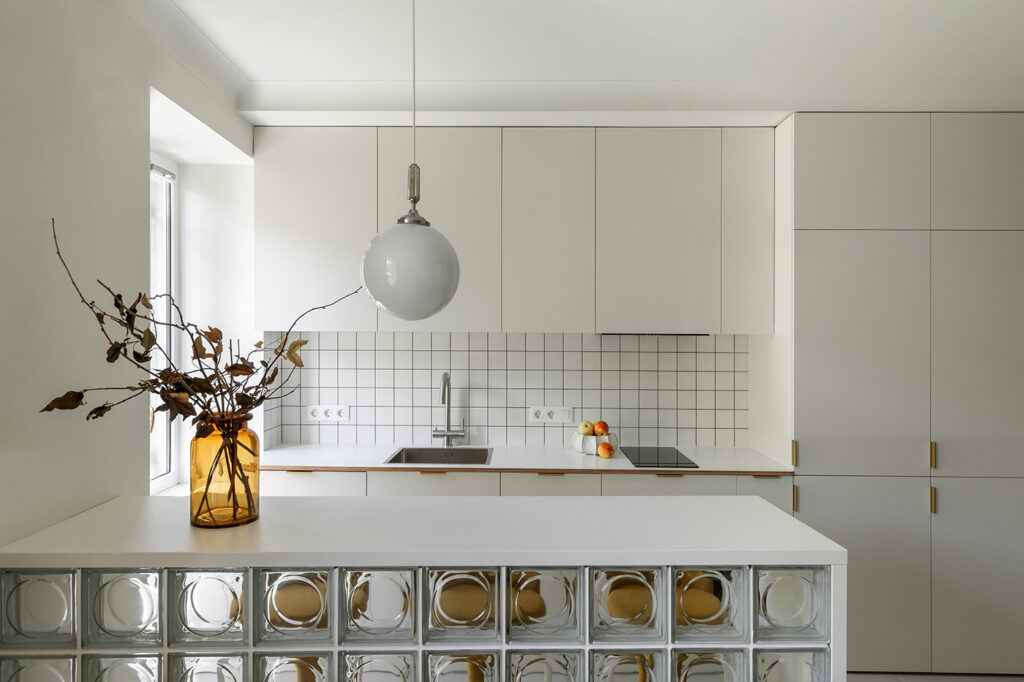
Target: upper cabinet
pixel 461 197
pixel 659 230
pixel 862 171
pixel 977 171
pixel 315 211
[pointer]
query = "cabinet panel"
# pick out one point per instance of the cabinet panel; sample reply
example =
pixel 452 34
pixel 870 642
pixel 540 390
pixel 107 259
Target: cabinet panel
pixel 550 484
pixel 461 197
pixel 884 524
pixel 977 171
pixel 547 229
pixel 862 171
pixel 313 483
pixel 315 213
pixel 659 230
pixel 748 230
pixel 440 483
pixel 861 376
pixel 777 490
pixel 654 484
pixel 977 373
pixel 978 584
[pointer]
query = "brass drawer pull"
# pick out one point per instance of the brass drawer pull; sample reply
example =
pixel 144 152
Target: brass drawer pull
pixel 933 460
pixel 433 473
pixel 670 475
pixel 550 473
pixel 767 475
pixel 298 471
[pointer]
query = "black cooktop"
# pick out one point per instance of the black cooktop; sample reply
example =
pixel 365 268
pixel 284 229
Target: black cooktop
pixel 651 457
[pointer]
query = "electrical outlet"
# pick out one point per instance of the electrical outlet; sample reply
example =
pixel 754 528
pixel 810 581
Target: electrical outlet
pixel 550 415
pixel 328 413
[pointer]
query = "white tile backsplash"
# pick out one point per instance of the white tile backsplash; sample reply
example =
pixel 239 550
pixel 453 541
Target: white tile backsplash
pixel 652 390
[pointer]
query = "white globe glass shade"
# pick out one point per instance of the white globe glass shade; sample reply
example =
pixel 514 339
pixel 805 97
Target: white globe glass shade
pixel 410 271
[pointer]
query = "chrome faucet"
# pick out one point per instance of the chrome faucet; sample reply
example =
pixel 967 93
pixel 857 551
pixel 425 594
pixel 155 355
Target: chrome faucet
pixel 446 399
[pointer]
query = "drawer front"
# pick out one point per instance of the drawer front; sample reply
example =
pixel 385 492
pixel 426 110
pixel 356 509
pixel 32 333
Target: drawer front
pixel 777 490
pixel 313 483
pixel 550 484
pixel 662 484
pixel 439 483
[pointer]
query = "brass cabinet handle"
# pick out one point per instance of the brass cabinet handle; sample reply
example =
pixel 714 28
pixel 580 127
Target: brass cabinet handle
pixel 934 501
pixel 796 498
pixel 433 473
pixel 298 471
pixel 766 475
pixel 796 453
pixel 933 460
pixel 671 474
pixel 550 473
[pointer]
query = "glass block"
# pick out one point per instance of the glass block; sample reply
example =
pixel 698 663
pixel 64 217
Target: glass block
pixel 38 609
pixel 379 605
pixel 463 604
pixel 121 668
pixel 378 667
pixel 792 603
pixel 37 669
pixel 627 666
pixel 207 607
pixel 544 666
pixel 305 667
pixel 462 666
pixel 121 608
pixel 208 667
pixel 294 606
pixel 709 666
pixel 544 604
pixel 626 605
pixel 791 666
pixel 710 604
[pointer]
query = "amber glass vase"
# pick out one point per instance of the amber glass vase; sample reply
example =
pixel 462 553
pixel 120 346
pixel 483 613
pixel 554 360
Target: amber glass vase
pixel 225 474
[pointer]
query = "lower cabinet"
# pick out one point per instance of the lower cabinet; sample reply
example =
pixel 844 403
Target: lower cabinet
pixel 550 484
pixel 667 484
pixel 775 489
pixel 313 483
pixel 432 483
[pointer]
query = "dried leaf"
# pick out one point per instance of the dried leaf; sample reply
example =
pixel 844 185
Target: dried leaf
pixel 203 430
pixel 213 335
pixel 99 318
pixel 97 412
pixel 245 401
pixel 294 358
pixel 269 379
pixel 141 357
pixel 258 344
pixel 297 344
pixel 197 384
pixel 114 351
pixel 148 339
pixel 68 401
pixel 199 350
pixel 145 302
pixel 242 368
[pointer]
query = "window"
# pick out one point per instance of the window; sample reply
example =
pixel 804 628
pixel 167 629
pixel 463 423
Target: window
pixel 162 218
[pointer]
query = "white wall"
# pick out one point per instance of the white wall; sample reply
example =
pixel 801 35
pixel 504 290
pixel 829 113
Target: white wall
pixel 74 134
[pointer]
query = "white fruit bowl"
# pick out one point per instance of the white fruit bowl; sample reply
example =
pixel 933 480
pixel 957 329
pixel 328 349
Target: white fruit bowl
pixel 588 444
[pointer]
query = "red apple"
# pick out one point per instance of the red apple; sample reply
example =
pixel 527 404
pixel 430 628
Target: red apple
pixel 605 450
pixel 600 428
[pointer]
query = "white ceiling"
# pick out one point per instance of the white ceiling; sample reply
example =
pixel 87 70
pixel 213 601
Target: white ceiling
pixel 308 57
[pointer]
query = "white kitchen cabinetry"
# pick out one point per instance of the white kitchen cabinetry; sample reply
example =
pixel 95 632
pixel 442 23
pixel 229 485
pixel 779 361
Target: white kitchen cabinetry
pixel 315 212
pixel 977 171
pixel 548 265
pixel 862 171
pixel 861 390
pixel 461 197
pixel 775 489
pixel 659 230
pixel 550 484
pixel 313 483
pixel 977 373
pixel 977 581
pixel 432 483
pixel 883 523
pixel 667 484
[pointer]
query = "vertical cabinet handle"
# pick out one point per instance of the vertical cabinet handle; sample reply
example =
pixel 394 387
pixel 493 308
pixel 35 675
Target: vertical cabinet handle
pixel 796 498
pixel 796 453
pixel 934 501
pixel 932 461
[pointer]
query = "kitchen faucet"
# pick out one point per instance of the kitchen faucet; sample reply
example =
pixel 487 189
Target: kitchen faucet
pixel 446 399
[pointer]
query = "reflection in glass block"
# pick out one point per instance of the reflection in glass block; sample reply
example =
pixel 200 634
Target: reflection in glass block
pixel 544 666
pixel 294 606
pixel 792 603
pixel 38 609
pixel 626 604
pixel 121 668
pixel 791 666
pixel 37 669
pixel 453 666
pixel 206 607
pixel 378 667
pixel 463 604
pixel 379 605
pixel 626 666
pixel 710 603
pixel 122 608
pixel 709 666
pixel 208 668
pixel 544 605
pixel 308 667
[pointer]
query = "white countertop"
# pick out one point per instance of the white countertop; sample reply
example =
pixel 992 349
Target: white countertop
pixel 440 531
pixel 514 458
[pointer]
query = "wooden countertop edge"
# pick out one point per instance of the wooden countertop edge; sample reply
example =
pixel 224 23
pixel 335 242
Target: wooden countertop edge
pixel 502 470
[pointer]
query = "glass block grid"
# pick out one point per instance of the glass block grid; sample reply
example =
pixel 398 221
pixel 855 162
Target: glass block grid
pixel 378 605
pixel 38 609
pixel 207 607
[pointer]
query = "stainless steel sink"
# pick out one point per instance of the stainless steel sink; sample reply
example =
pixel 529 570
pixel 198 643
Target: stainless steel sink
pixel 455 456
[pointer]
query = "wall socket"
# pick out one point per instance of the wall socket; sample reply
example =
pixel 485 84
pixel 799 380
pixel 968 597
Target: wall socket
pixel 550 415
pixel 328 413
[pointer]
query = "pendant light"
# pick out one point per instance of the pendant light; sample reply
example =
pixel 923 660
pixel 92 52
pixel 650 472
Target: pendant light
pixel 410 270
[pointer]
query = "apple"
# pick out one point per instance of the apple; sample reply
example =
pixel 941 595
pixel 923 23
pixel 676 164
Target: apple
pixel 586 428
pixel 605 450
pixel 600 428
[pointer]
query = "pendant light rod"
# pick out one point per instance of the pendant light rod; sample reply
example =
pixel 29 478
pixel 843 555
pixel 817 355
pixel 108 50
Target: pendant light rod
pixel 413 90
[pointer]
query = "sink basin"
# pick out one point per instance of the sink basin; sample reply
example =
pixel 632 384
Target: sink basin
pixel 463 456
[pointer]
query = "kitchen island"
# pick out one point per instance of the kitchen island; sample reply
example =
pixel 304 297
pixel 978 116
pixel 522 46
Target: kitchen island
pixel 479 589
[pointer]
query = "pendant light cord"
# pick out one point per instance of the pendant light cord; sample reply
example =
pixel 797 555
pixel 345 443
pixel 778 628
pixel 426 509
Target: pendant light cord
pixel 414 81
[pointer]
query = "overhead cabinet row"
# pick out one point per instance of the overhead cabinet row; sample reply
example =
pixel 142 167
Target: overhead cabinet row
pixel 631 230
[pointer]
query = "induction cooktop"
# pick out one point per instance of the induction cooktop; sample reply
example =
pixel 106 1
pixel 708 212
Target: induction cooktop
pixel 657 457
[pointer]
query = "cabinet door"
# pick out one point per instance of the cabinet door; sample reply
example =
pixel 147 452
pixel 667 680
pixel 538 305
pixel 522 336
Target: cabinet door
pixel 748 230
pixel 461 197
pixel 775 489
pixel 659 230
pixel 550 484
pixel 883 523
pixel 547 230
pixel 432 483
pixel 861 171
pixel 313 483
pixel 666 484
pixel 977 171
pixel 977 373
pixel 315 213
pixel 977 580
pixel 861 352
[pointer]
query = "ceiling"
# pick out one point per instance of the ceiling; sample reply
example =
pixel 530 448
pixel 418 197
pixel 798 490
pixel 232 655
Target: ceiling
pixel 321 60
